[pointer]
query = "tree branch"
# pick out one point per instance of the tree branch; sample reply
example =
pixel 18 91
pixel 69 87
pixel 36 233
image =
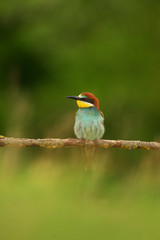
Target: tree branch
pixel 52 143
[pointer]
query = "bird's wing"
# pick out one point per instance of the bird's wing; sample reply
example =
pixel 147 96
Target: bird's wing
pixel 102 116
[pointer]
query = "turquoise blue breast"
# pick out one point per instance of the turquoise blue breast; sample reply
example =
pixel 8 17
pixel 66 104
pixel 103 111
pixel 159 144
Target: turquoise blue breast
pixel 89 124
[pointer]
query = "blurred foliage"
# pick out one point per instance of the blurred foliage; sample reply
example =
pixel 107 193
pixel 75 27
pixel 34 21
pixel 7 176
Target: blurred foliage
pixel 52 49
pixel 50 199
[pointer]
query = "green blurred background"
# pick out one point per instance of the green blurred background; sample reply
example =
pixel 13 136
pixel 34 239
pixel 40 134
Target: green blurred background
pixel 52 49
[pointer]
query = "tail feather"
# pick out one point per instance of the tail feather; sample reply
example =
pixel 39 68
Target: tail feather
pixel 89 154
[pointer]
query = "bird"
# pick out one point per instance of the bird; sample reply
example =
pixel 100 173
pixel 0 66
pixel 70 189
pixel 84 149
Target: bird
pixel 89 120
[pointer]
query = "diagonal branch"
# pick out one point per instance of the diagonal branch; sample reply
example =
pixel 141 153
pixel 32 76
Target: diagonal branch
pixel 69 142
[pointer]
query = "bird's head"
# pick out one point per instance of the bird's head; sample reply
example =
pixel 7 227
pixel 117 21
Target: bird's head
pixel 86 100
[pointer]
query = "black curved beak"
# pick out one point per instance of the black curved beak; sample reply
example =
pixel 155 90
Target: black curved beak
pixel 73 97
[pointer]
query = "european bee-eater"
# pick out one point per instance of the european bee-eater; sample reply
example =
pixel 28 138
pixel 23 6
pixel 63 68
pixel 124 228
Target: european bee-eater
pixel 89 120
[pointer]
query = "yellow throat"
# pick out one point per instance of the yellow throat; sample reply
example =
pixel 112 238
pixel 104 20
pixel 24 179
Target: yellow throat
pixel 82 104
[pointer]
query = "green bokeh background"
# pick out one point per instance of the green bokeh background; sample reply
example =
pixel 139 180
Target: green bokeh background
pixel 52 49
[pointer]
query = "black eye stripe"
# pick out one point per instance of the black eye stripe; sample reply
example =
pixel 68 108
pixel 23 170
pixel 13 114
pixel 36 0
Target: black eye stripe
pixel 87 100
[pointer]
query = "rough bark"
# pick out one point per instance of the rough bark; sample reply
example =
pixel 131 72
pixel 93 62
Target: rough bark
pixel 52 143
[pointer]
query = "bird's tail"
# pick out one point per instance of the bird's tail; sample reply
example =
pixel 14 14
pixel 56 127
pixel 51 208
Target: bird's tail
pixel 89 155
